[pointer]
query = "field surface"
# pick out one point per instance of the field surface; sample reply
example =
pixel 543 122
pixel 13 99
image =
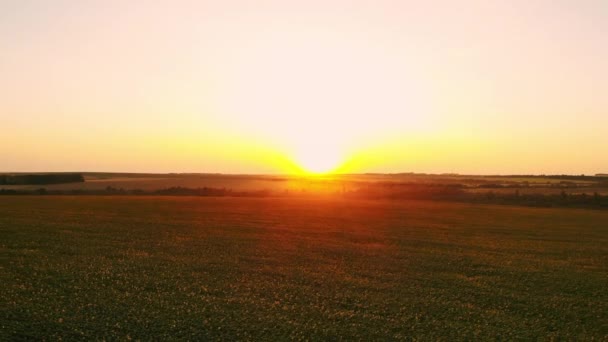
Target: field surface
pixel 166 268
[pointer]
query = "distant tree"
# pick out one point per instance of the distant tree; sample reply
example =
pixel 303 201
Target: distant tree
pixel 39 179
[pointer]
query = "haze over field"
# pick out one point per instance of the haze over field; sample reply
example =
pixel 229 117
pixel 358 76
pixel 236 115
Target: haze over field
pixel 280 86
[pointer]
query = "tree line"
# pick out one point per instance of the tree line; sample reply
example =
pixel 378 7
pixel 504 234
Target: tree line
pixel 41 179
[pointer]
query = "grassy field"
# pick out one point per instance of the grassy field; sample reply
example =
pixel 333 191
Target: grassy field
pixel 295 268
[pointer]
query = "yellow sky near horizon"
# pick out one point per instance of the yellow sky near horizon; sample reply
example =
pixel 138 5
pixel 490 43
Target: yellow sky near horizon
pixel 483 87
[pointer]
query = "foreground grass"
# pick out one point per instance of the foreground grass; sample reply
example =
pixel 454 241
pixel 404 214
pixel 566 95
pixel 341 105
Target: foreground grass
pixel 237 268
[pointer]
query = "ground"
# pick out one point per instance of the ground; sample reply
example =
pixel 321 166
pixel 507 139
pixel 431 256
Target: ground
pixel 160 268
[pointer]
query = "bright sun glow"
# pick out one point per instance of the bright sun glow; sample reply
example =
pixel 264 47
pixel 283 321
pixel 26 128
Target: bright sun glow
pixel 318 159
pixel 318 97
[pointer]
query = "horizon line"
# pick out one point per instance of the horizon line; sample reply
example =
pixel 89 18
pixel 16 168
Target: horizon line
pixel 316 175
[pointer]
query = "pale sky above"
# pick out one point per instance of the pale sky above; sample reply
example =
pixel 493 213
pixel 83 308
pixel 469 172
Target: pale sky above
pixel 498 87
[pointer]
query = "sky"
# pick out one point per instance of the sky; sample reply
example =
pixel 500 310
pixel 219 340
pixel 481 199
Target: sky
pixel 477 87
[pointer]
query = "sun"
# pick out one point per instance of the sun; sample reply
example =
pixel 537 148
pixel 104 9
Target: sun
pixel 318 159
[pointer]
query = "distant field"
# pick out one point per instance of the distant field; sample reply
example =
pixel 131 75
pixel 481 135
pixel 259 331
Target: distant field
pixel 325 184
pixel 151 182
pixel 87 267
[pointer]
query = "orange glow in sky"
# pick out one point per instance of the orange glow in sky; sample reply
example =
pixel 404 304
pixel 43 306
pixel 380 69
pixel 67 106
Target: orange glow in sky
pixel 308 86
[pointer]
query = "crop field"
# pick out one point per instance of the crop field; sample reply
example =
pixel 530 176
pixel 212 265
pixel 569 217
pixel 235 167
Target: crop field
pixel 200 268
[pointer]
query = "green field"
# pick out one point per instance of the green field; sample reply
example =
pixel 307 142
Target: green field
pixel 165 268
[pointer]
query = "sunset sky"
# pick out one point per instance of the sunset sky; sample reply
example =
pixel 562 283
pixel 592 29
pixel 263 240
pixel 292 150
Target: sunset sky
pixel 483 87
